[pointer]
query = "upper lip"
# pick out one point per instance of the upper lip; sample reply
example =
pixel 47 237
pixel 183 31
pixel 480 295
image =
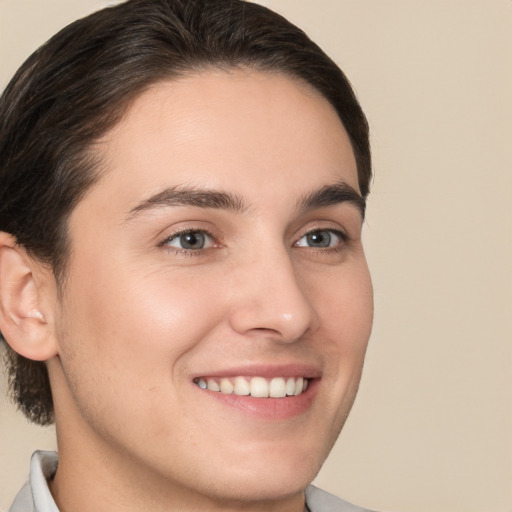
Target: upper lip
pixel 264 370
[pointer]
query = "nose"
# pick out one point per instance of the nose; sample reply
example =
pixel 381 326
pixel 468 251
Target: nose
pixel 270 300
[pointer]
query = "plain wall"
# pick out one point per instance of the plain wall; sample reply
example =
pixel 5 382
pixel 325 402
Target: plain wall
pixel 431 430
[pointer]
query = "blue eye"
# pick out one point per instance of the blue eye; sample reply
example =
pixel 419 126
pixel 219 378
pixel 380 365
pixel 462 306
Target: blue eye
pixel 321 239
pixel 190 240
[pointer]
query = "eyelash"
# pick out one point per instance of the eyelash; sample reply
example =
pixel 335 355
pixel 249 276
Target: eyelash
pixel 182 251
pixel 344 239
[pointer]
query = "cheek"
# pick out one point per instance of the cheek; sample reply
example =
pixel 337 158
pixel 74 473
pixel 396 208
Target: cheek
pixel 345 307
pixel 141 320
pixel 128 336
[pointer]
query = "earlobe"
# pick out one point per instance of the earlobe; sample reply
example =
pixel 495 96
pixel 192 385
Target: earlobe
pixel 23 322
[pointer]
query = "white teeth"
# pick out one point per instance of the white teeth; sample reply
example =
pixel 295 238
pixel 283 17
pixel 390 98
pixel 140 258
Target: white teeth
pixel 242 387
pixel 290 386
pixel 226 387
pixel 212 385
pixel 299 383
pixel 258 387
pixel 277 388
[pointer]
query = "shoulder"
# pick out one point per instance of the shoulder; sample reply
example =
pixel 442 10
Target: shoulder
pixel 322 501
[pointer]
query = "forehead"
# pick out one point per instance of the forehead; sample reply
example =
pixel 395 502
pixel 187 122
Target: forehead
pixel 243 129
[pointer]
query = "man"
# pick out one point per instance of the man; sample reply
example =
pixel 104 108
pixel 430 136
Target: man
pixel 183 288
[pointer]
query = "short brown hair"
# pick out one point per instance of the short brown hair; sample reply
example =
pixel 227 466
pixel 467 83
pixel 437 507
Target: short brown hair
pixel 76 87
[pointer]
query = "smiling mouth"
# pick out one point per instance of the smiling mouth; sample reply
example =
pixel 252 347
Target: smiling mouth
pixel 257 387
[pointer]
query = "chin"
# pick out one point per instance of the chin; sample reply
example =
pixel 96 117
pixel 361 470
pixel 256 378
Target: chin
pixel 273 484
pixel 271 475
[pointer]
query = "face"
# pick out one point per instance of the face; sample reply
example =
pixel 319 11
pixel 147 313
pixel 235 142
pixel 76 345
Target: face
pixel 221 249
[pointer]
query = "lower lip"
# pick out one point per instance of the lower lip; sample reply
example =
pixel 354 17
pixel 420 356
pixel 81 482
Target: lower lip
pixel 268 408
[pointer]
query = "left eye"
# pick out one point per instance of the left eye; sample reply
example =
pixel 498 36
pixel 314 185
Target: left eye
pixel 321 239
pixel 190 241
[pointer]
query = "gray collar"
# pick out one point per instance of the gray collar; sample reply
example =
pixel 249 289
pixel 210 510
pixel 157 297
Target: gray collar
pixel 35 496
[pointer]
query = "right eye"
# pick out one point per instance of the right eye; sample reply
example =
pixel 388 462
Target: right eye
pixel 191 240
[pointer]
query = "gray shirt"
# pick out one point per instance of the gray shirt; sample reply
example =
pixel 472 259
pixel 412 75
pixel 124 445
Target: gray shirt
pixel 35 496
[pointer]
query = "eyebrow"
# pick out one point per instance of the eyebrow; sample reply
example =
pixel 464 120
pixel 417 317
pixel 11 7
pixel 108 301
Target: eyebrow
pixel 187 196
pixel 328 195
pixel 331 195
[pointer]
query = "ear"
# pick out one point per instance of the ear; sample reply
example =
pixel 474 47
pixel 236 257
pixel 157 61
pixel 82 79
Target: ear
pixel 23 319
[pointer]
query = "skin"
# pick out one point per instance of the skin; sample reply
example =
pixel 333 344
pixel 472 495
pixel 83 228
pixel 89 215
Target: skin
pixel 140 317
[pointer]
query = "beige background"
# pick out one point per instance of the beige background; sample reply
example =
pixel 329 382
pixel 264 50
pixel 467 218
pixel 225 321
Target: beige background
pixel 432 427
